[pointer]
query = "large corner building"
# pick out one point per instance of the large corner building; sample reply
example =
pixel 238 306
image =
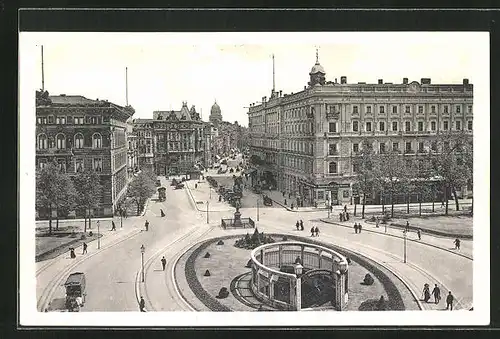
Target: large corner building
pixel 306 141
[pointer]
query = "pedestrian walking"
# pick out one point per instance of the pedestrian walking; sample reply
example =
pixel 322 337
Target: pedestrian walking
pixel 341 217
pixel 436 292
pixel 301 224
pixel 345 208
pixel 457 244
pixel 355 228
pixel 426 293
pixel 316 230
pixel 72 253
pixel 84 248
pixel 331 208
pixel 291 206
pixel 359 228
pixel 142 305
pixel 113 226
pixel 297 224
pixel 195 186
pixel 146 225
pixel 312 231
pixel 419 234
pixel 163 262
pixel 449 301
pixel 283 194
pixel 407 228
pixel 377 222
pixel 285 202
pixel 346 216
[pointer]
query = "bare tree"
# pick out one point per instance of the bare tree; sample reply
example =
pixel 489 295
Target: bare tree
pixel 391 167
pixel 366 171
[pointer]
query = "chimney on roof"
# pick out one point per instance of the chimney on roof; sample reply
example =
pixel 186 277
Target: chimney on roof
pixel 380 81
pixel 343 80
pixel 425 81
pixel 466 81
pixel 405 81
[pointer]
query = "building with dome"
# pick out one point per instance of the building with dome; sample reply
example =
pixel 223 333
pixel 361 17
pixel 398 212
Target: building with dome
pixel 215 114
pixel 305 143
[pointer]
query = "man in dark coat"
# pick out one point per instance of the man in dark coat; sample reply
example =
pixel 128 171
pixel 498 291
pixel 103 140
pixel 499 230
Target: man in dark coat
pixel 360 227
pixel 297 224
pixel 146 225
pixel 142 305
pixel 84 248
pixel 355 228
pixel 316 230
pixel 113 226
pixel 449 301
pixel 436 292
pixel 163 262
pixel 301 224
pixel 312 231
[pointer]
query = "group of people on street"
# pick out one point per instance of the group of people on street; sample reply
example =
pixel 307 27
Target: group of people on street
pixel 314 231
pixel 344 215
pixel 299 225
pixel 436 293
pixel 357 228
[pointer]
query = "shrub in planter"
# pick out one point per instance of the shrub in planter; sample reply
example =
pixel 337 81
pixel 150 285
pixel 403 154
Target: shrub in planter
pixel 368 280
pixel 207 255
pixel 381 304
pixel 220 242
pixel 207 273
pixel 223 293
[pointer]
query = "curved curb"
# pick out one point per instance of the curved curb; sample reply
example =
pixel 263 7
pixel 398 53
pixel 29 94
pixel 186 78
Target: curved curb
pixel 430 231
pixel 61 274
pixel 397 236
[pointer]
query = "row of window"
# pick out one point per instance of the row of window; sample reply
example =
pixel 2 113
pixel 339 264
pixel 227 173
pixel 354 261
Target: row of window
pixel 43 142
pixel 332 126
pixel 408 110
pixel 63 120
pixel 79 164
pixel 333 150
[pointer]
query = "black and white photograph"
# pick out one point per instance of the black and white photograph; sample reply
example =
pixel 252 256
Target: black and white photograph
pixel 254 179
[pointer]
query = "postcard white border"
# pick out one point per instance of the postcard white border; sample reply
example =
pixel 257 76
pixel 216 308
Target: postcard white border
pixel 28 74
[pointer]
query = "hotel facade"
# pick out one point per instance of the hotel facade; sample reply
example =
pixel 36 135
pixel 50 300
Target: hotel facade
pixel 307 141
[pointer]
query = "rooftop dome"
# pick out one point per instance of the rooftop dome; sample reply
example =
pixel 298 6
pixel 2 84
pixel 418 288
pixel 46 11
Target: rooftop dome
pixel 317 68
pixel 215 113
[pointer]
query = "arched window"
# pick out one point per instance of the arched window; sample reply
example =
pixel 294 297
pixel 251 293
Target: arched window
pixel 42 141
pixel 332 167
pixel 78 140
pixel 96 140
pixel 61 141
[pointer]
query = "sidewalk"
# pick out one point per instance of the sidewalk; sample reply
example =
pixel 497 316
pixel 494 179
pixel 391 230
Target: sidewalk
pixel 201 195
pixel 466 246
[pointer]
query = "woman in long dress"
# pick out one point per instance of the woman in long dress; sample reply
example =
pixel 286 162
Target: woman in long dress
pixel 427 293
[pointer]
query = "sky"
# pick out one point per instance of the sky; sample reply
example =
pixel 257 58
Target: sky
pixel 236 69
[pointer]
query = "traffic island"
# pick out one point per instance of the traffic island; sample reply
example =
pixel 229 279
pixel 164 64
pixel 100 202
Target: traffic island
pixel 230 266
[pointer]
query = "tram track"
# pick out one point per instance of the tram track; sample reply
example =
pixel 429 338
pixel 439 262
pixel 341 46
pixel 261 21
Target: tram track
pixel 45 297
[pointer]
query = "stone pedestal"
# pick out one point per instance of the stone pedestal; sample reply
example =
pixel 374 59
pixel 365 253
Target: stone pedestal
pixel 237 218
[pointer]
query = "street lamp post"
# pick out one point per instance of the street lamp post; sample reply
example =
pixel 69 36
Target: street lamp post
pixel 257 209
pixel 404 257
pixel 98 236
pixel 207 210
pixel 143 249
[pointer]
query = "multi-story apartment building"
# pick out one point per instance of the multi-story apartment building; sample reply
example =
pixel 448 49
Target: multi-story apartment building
pixel 80 133
pixel 143 129
pixel 226 136
pixel 307 141
pixel 178 141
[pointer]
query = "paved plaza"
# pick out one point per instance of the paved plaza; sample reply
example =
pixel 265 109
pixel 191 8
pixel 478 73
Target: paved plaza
pixel 113 271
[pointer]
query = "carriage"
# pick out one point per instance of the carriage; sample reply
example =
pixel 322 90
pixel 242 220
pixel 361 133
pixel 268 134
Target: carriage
pixel 75 291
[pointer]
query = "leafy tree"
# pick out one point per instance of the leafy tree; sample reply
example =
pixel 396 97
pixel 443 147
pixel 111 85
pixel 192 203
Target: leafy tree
pixel 408 179
pixel 140 189
pixel 54 191
pixel 89 193
pixel 366 177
